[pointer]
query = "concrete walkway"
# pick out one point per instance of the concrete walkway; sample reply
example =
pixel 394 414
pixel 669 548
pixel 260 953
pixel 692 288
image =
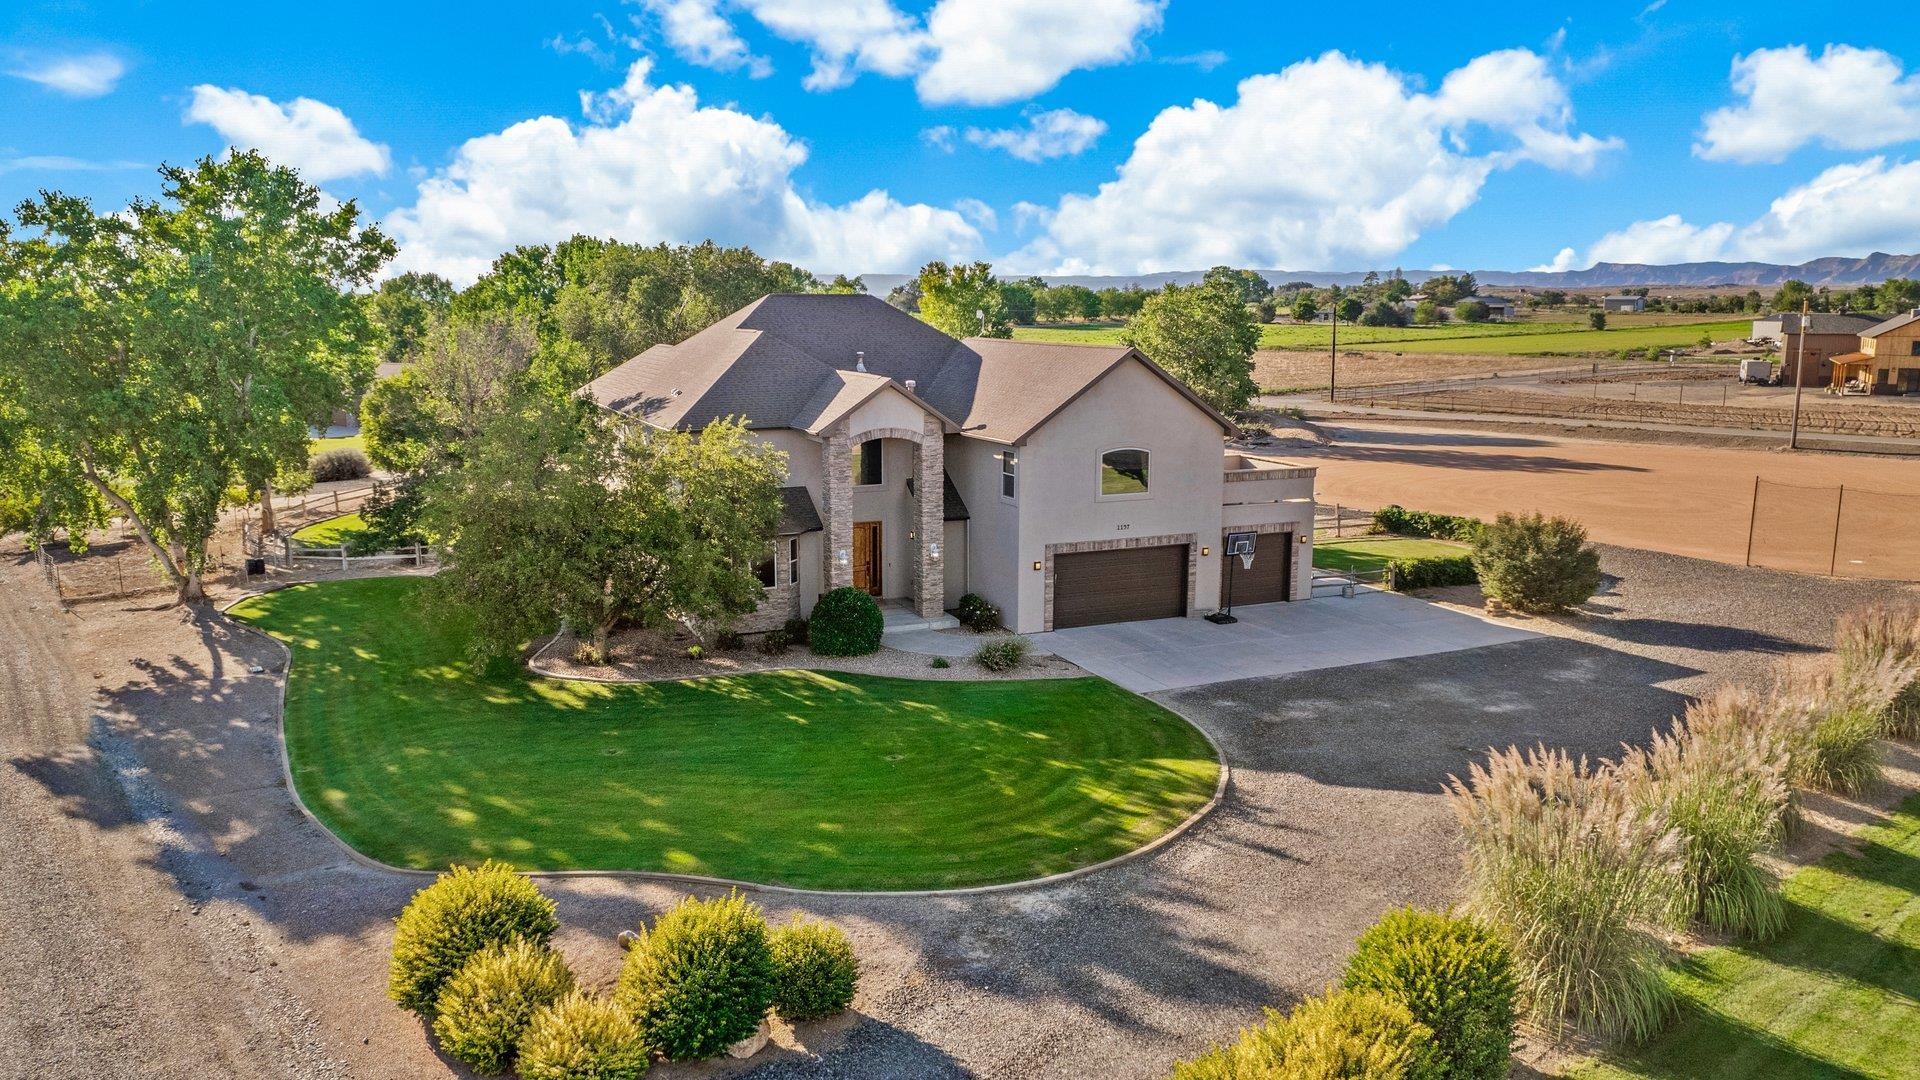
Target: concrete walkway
pixel 1272 639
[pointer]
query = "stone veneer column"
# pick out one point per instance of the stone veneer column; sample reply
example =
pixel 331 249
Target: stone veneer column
pixel 931 481
pixel 836 458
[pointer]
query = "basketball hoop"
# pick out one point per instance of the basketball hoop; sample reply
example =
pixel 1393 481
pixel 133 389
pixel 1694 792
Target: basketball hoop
pixel 1246 560
pixel 1241 544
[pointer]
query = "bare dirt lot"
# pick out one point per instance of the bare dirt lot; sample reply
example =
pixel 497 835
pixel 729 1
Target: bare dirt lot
pixel 1277 371
pixel 168 911
pixel 1686 500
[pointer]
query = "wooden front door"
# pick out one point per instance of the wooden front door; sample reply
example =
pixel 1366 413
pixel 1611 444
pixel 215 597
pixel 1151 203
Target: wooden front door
pixel 866 557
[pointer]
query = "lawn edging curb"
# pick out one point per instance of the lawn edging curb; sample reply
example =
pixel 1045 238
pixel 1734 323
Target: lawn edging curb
pixel 665 877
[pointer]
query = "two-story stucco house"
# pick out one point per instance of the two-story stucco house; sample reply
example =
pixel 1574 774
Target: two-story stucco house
pixel 1066 484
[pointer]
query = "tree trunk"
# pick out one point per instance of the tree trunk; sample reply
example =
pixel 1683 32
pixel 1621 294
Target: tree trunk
pixel 192 589
pixel 161 555
pixel 601 634
pixel 267 522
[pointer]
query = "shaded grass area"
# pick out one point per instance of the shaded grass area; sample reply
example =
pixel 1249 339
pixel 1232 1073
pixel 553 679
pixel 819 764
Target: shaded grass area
pixel 338 442
pixel 1836 995
pixel 331 532
pixel 1495 339
pixel 1375 552
pixel 415 757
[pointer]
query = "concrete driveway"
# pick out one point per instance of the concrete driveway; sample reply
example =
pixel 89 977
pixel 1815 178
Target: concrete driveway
pixel 1272 639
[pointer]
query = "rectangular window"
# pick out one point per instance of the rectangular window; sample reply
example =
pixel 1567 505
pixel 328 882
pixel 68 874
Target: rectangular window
pixel 793 559
pixel 1916 348
pixel 866 463
pixel 764 571
pixel 1009 474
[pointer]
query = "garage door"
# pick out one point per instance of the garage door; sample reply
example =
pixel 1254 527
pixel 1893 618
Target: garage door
pixel 1271 577
pixel 1094 587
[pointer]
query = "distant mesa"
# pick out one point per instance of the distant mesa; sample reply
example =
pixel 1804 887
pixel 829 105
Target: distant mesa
pixel 1834 271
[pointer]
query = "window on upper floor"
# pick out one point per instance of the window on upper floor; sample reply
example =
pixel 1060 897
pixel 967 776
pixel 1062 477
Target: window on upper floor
pixel 1123 472
pixel 866 463
pixel 1009 474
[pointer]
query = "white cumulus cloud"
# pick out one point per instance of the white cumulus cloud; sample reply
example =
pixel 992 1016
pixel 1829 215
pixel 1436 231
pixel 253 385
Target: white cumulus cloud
pixel 81 75
pixel 972 52
pixel 1331 161
pixel 1851 210
pixel 311 136
pixel 1844 99
pixel 1050 133
pixel 649 164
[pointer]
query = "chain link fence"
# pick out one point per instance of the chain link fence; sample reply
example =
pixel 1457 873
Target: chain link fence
pixel 1839 531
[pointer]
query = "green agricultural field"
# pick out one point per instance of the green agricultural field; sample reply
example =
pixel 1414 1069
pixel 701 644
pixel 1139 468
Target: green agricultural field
pixel 1497 339
pixel 1367 553
pixel 415 757
pixel 332 532
pixel 1837 995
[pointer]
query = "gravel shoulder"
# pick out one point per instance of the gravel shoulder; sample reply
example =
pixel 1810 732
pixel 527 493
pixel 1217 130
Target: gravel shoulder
pixel 1333 816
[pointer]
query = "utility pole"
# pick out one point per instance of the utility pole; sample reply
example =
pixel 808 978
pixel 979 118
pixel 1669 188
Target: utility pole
pixel 1799 375
pixel 1333 351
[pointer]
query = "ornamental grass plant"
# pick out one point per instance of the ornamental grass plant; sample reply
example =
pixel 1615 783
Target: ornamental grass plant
pixel 1563 861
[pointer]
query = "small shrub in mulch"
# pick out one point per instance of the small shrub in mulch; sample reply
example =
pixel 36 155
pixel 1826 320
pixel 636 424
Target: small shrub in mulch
pixel 700 979
pixel 583 1038
pixel 1003 654
pixel 814 970
pixel 486 1007
pixel 461 913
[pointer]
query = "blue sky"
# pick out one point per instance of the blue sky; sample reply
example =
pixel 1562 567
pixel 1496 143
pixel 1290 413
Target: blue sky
pixel 1113 136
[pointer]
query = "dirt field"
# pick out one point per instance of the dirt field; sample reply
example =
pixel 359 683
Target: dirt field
pixel 1276 371
pixel 1685 500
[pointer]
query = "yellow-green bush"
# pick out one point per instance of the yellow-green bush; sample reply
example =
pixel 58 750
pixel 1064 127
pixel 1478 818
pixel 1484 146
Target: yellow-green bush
pixel 484 1009
pixel 1455 975
pixel 464 911
pixel 583 1038
pixel 814 970
pixel 1342 1035
pixel 701 979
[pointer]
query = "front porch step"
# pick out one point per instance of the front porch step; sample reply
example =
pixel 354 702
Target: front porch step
pixel 900 618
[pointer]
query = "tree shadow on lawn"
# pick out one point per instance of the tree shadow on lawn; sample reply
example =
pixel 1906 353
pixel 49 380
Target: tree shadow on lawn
pixel 1702 1044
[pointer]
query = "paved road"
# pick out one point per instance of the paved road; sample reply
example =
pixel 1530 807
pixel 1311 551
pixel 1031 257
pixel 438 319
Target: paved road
pixel 107 969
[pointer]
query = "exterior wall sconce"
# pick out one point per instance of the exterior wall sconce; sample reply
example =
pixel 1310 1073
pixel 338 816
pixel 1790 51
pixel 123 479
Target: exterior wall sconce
pixel 1036 566
pixel 1306 538
pixel 912 535
pixel 842 556
pixel 933 551
pixel 1206 551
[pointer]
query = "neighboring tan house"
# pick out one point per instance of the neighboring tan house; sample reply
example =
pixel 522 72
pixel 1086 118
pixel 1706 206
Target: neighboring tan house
pixel 1828 336
pixel 1889 358
pixel 1066 484
pixel 1623 305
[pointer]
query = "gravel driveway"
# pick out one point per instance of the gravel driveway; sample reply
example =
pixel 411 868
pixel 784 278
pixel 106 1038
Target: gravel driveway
pixel 1333 816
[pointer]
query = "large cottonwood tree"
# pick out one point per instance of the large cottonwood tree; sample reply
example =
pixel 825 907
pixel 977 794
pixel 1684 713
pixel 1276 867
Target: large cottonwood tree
pixel 161 358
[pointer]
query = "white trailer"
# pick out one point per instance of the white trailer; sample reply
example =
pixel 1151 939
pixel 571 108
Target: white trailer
pixel 1757 371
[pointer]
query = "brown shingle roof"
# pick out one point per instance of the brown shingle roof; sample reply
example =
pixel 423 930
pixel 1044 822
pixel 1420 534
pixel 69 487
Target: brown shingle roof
pixel 789 361
pixel 798 514
pixel 1894 323
pixel 1825 322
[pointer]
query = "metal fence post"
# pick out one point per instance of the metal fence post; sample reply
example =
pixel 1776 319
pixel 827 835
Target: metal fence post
pixel 1752 516
pixel 1833 560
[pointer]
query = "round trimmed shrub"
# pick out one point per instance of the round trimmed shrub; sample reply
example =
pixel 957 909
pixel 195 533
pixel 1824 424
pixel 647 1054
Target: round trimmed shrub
pixel 976 614
pixel 845 622
pixel 341 463
pixel 583 1038
pixel 466 910
pixel 1347 1033
pixel 1536 564
pixel 701 979
pixel 485 1008
pixel 814 970
pixel 1454 975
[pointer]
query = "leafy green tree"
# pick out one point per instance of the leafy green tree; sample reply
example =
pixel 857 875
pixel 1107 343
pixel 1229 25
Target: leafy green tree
pixel 555 514
pixel 1396 290
pixel 159 358
pixel 841 283
pixel 1348 308
pixel 1898 294
pixel 1304 309
pixel 1791 295
pixel 1247 284
pixel 404 308
pixel 1122 303
pixel 1597 320
pixel 1204 335
pixel 963 300
pixel 1018 301
pixel 906 295
pixel 1472 311
pixel 1428 313
pixel 1383 313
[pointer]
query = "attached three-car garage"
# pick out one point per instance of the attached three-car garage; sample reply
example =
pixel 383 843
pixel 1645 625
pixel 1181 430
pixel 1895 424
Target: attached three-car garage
pixel 1093 587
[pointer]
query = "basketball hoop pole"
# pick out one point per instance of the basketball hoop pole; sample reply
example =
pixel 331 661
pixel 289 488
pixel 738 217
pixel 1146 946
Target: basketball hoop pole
pixel 1225 615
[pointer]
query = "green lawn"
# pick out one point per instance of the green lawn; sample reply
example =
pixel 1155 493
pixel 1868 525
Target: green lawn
pixel 1837 995
pixel 797 778
pixel 1501 339
pixel 331 532
pixel 339 442
pixel 1373 553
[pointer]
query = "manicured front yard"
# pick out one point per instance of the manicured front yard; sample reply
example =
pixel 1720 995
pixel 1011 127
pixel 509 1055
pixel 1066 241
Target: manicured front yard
pixel 331 532
pixel 1366 553
pixel 337 442
pixel 801 778
pixel 1836 995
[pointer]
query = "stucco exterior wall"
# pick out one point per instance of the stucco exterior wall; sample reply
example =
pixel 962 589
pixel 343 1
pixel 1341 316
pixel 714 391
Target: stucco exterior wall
pixel 1060 497
pixel 993 567
pixel 1268 496
pixel 955 585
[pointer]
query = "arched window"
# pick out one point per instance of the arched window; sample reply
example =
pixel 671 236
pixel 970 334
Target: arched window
pixel 1123 471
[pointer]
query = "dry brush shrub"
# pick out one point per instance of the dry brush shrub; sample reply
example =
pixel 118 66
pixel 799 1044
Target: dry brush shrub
pixel 465 910
pixel 485 1008
pixel 1352 1034
pixel 583 1038
pixel 1562 861
pixel 1719 781
pixel 1887 636
pixel 700 979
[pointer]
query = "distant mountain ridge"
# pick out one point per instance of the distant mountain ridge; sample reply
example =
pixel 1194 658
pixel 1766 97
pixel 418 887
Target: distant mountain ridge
pixel 1832 271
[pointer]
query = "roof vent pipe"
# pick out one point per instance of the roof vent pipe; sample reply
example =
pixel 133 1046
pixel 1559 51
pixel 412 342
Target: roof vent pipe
pixel 860 361
pixel 910 385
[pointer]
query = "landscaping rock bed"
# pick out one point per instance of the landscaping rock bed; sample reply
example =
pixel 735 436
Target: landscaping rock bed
pixel 640 656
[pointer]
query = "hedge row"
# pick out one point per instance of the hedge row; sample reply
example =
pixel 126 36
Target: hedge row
pixel 1431 572
pixel 1401 521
